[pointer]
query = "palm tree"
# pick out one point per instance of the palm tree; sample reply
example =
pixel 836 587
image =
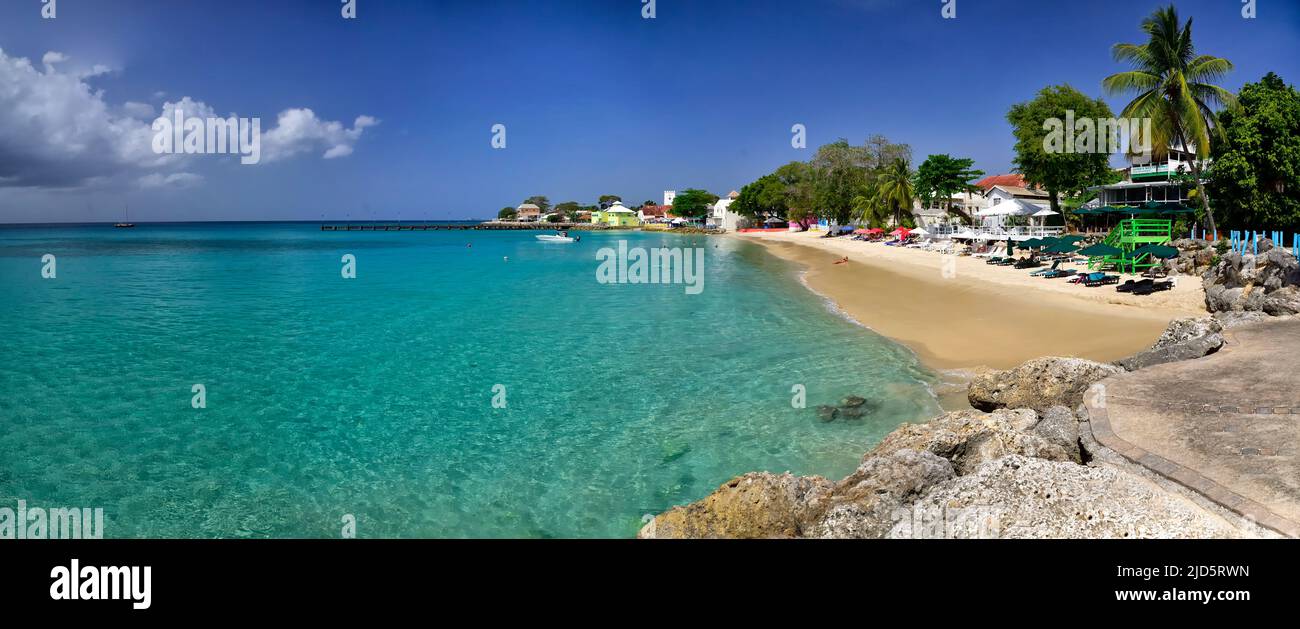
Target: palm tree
pixel 896 190
pixel 1174 90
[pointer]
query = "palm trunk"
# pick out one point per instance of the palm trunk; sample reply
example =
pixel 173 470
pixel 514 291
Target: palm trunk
pixel 1210 225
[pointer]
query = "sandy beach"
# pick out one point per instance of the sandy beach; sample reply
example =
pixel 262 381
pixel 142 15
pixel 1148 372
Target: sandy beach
pixel 970 315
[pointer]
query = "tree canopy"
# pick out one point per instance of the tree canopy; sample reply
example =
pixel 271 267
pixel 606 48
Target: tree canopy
pixel 941 176
pixel 507 212
pixel 1174 89
pixel 1058 172
pixel 1255 180
pixel 694 203
pixel 540 201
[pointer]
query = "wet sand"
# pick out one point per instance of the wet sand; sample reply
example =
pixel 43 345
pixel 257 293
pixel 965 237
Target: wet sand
pixel 968 316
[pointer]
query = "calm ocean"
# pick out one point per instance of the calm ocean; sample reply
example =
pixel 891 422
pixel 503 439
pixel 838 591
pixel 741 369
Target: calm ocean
pixel 374 396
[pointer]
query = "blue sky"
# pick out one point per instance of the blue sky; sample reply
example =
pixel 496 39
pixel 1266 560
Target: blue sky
pixel 595 98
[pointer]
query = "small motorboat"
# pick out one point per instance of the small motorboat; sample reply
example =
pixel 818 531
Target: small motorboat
pixel 554 238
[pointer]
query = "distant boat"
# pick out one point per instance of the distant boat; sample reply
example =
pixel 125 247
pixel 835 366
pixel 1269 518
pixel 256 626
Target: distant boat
pixel 128 218
pixel 550 238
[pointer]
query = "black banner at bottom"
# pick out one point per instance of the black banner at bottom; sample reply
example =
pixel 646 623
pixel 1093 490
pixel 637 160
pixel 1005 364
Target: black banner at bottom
pixel 144 579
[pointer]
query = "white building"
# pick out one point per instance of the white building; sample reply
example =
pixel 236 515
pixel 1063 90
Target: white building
pixel 1148 179
pixel 721 216
pixel 669 196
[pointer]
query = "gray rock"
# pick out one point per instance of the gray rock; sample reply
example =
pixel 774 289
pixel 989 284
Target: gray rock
pixel 969 438
pixel 827 413
pixel 1186 350
pixel 1059 426
pixel 756 505
pixel 1231 319
pixel 852 401
pixel 865 504
pixel 1187 329
pixel 1039 384
pixel 1265 282
pixel 1023 497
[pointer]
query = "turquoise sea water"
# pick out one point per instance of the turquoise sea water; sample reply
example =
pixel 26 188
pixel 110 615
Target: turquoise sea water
pixel 373 396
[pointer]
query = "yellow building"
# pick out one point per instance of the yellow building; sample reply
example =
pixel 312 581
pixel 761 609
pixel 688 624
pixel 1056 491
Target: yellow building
pixel 615 216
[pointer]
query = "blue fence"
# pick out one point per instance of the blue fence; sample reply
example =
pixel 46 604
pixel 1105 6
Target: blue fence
pixel 1247 241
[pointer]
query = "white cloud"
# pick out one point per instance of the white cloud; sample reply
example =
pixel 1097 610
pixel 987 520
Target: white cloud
pixel 142 111
pixel 299 131
pixel 171 180
pixel 57 131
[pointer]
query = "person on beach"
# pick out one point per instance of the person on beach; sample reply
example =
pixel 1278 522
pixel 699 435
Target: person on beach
pixel 845 260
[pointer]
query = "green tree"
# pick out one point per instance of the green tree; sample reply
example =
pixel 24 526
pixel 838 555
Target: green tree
pixel 540 201
pixel 694 203
pixel 839 175
pixel 1174 90
pixel 1256 175
pixel 569 209
pixel 762 199
pixel 507 213
pixel 607 200
pixel 941 176
pixel 1057 171
pixel 896 192
pixel 870 207
pixel 796 192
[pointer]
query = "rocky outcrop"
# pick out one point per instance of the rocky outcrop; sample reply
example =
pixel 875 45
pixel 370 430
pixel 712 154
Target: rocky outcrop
pixel 756 505
pixel 1038 384
pixel 1268 282
pixel 1023 497
pixel 864 504
pixel 969 438
pixel 1195 256
pixel 1184 339
pixel 1010 473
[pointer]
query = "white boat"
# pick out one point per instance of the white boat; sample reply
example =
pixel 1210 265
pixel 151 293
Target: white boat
pixel 552 238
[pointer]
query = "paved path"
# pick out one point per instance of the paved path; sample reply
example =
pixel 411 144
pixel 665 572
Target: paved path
pixel 1227 425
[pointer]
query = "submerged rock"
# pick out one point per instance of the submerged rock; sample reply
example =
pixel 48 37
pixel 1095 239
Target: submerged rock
pixel 852 401
pixel 827 413
pixel 1039 384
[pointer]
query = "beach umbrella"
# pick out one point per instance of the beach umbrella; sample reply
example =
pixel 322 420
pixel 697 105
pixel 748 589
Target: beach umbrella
pixel 875 230
pixel 1062 247
pixel 1073 238
pixel 1155 251
pixel 1099 250
pixel 1030 244
pixel 920 231
pixel 862 231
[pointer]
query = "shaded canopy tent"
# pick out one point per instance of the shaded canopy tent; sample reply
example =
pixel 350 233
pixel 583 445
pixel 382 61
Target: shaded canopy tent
pixel 1061 247
pixel 1155 251
pixel 1100 249
pixel 1043 214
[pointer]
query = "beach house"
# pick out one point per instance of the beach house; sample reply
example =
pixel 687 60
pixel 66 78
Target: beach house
pixel 721 216
pixel 616 215
pixel 1149 179
pixel 528 212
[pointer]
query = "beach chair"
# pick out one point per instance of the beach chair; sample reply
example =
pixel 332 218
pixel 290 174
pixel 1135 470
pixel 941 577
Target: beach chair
pixel 1153 287
pixel 1132 285
pixel 1028 263
pixel 1058 273
pixel 1055 265
pixel 1100 279
pixel 993 260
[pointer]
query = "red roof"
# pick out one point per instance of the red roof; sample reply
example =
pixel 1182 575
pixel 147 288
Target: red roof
pixel 656 210
pixel 987 183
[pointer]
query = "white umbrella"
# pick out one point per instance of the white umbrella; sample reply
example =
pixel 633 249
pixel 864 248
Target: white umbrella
pixel 920 232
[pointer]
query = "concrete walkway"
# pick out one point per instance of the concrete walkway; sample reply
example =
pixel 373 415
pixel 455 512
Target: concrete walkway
pixel 1227 425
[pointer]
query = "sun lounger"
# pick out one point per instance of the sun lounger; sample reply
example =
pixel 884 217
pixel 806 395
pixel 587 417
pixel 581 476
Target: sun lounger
pixel 1100 279
pixel 1051 275
pixel 1028 263
pixel 1055 264
pixel 1132 285
pixel 1153 287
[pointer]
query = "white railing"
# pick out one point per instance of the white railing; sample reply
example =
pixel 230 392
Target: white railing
pixel 993 232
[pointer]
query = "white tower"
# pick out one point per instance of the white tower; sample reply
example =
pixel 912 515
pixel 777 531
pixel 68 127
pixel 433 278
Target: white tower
pixel 669 196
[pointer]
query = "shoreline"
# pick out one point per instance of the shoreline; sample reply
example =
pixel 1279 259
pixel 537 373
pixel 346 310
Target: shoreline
pixel 975 316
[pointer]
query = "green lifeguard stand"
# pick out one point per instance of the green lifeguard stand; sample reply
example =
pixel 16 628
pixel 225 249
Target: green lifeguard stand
pixel 1130 235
